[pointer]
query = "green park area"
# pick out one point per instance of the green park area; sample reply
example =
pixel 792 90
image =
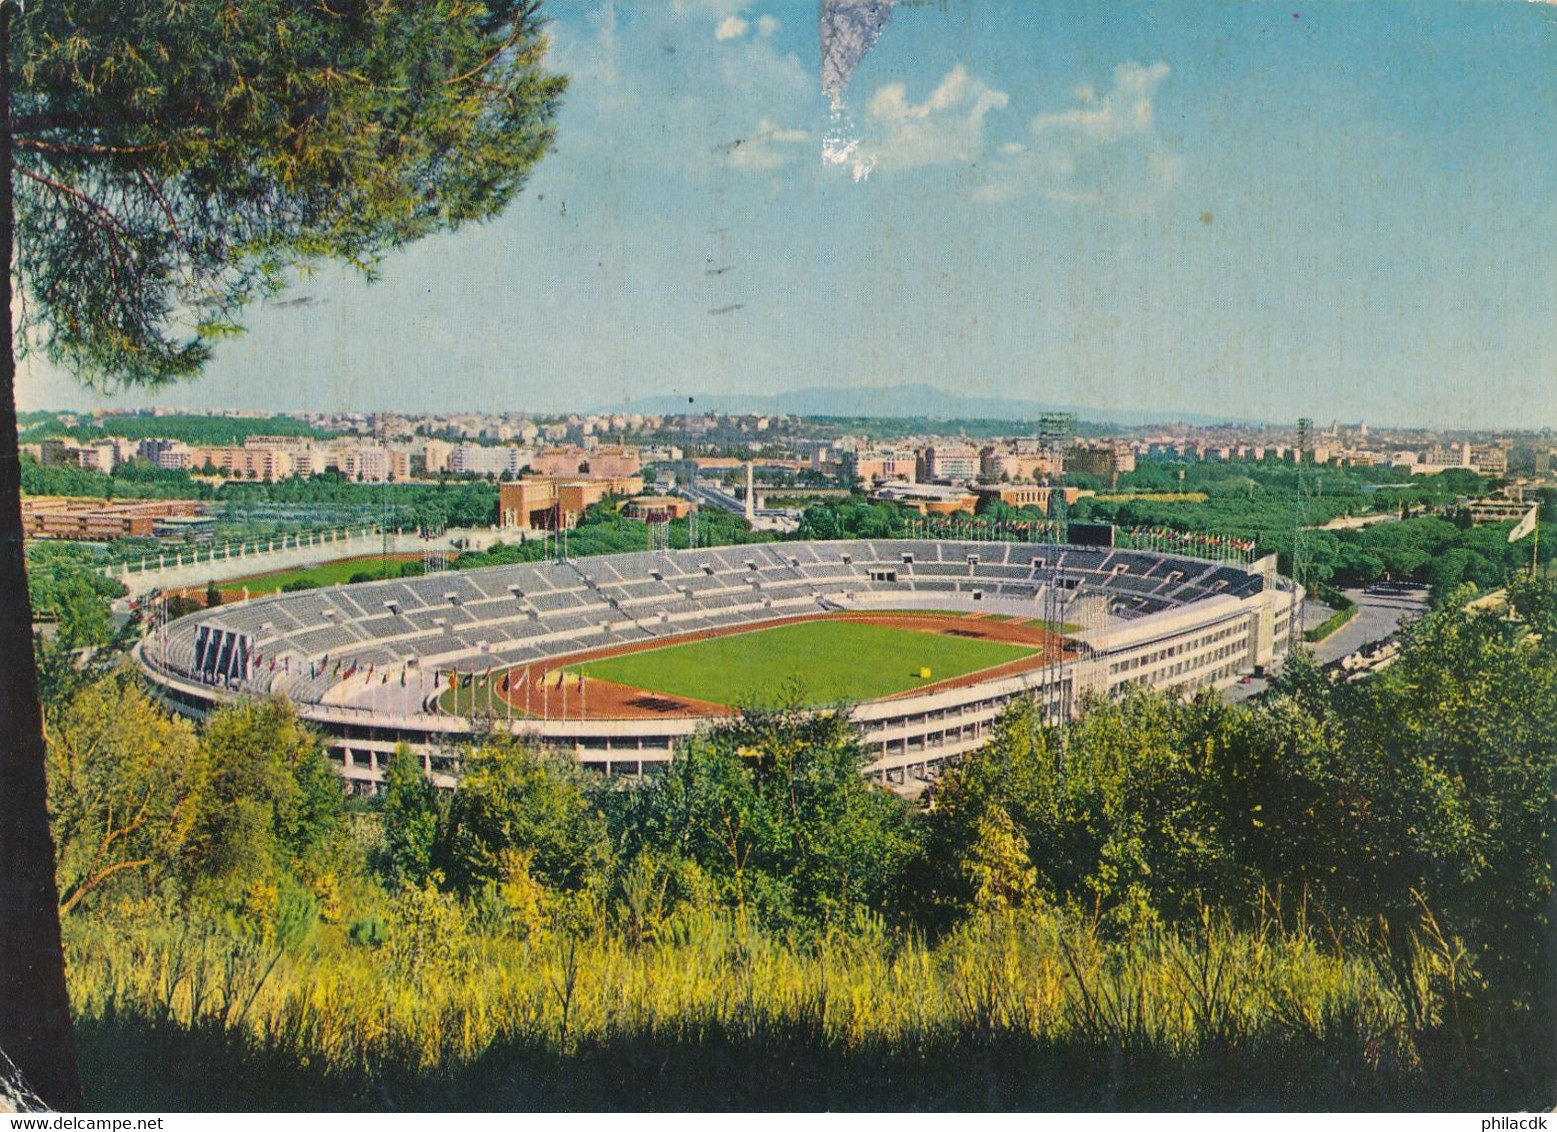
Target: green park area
pixel 367 567
pixel 818 662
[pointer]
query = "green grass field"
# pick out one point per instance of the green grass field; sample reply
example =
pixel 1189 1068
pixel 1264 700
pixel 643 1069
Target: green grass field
pixel 1054 627
pixel 327 574
pixel 822 662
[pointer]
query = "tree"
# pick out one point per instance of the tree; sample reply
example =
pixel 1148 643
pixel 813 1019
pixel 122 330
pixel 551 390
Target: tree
pixel 118 777
pixel 410 821
pixel 513 800
pixel 773 809
pixel 165 166
pixel 998 867
pixel 264 803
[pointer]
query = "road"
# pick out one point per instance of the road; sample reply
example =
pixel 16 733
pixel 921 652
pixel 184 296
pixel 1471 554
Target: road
pixel 707 496
pixel 1379 615
pixel 768 518
pixel 1357 522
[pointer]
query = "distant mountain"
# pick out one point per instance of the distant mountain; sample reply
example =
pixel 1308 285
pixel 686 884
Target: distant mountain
pixel 901 401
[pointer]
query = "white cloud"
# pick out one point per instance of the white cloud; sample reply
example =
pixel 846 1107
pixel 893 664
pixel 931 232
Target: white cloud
pixel 765 77
pixel 946 128
pixel 731 27
pixel 767 25
pixel 1125 111
pixel 768 147
pixel 1103 147
pixel 996 192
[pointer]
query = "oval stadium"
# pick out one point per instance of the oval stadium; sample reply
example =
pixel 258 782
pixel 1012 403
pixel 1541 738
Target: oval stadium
pixel 617 659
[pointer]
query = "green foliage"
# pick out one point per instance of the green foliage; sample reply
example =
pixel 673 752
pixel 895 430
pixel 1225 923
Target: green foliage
pixel 41 479
pixel 773 811
pixel 997 866
pixel 1343 888
pixel 1330 624
pixel 852 518
pixel 512 800
pixel 411 504
pixel 1121 813
pixel 1423 795
pixel 411 816
pixel 603 530
pixel 64 586
pixel 265 805
pixel 196 431
pixel 1028 1011
pixel 81 644
pixel 119 770
pixel 176 163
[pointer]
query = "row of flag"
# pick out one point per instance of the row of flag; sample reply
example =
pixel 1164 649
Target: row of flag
pixel 343 670
pixel 1194 539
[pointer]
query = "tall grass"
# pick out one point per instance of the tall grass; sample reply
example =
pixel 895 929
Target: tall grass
pixel 1031 1009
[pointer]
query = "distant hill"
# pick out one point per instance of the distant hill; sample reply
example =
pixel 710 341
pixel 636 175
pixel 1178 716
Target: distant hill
pixel 898 401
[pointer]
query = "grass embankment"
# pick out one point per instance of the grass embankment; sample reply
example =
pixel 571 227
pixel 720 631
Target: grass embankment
pixel 327 574
pixel 820 662
pixel 1034 1010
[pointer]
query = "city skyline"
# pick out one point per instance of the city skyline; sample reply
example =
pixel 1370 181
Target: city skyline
pixel 1340 211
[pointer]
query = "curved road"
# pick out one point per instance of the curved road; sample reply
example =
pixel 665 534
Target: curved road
pixel 1379 615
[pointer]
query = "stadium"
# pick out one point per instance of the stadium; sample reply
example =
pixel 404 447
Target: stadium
pixel 617 659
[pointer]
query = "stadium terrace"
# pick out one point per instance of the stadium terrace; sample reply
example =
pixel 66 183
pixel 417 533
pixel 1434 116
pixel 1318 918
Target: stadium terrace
pixel 432 661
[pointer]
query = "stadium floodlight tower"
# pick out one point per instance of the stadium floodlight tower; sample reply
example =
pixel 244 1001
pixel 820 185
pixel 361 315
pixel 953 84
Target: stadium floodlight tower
pixel 1300 548
pixel 1054 434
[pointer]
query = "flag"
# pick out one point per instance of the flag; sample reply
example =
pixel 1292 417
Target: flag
pixel 1525 525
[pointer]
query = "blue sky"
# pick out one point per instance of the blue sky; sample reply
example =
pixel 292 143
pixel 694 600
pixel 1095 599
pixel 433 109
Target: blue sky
pixel 1343 210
